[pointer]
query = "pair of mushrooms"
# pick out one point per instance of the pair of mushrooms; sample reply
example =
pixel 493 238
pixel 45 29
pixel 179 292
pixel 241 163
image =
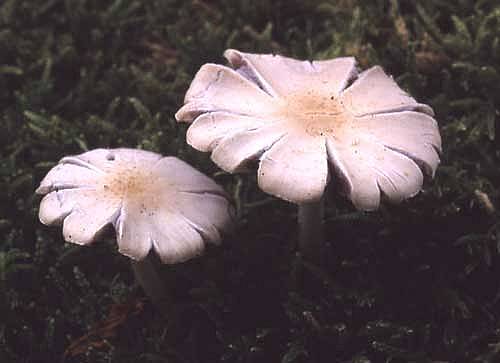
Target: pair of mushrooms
pixel 303 122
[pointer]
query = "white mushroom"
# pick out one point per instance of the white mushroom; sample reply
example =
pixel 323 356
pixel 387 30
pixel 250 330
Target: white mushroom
pixel 298 117
pixel 153 202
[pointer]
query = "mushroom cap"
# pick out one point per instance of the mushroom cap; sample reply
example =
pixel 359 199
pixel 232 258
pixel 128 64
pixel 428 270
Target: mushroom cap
pixel 152 201
pixel 297 118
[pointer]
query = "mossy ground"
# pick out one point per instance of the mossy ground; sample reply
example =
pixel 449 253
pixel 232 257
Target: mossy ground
pixel 418 282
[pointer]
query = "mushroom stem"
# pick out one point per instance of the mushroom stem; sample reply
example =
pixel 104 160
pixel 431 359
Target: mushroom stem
pixel 311 230
pixel 147 274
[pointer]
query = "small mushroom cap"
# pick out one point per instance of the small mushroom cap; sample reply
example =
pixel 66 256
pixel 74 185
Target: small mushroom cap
pixel 305 122
pixel 152 201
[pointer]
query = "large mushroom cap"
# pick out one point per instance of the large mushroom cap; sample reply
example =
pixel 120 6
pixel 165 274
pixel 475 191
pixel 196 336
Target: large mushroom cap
pixel 152 201
pixel 297 117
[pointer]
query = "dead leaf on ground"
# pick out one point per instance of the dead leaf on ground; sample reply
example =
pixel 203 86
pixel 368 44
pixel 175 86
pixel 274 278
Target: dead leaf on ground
pixel 430 62
pixel 97 337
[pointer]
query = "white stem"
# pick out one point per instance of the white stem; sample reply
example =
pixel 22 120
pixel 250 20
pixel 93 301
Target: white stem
pixel 146 273
pixel 311 231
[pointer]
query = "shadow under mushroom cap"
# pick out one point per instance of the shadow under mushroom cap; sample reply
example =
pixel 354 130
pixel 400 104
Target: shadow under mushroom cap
pixel 152 201
pixel 301 120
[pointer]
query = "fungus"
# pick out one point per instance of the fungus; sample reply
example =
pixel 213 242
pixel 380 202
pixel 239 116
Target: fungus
pixel 306 122
pixel 153 202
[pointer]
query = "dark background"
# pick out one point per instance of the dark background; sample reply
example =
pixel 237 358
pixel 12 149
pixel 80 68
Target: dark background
pixel 416 282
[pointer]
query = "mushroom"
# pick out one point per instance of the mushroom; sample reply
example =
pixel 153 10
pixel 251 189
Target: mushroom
pixel 153 202
pixel 306 122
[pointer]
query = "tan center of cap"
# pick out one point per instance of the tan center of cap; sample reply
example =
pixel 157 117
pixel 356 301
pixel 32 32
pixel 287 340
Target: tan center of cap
pixel 316 115
pixel 129 182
